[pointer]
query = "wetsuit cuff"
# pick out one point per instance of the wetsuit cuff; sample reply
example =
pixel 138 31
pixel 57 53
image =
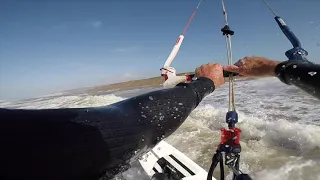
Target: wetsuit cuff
pixel 280 71
pixel 202 87
pixel 207 83
pixel 286 70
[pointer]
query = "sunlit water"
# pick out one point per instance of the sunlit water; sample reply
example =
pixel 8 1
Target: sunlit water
pixel 280 127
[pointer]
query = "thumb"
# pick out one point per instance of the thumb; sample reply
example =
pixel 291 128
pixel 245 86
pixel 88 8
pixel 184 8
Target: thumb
pixel 232 68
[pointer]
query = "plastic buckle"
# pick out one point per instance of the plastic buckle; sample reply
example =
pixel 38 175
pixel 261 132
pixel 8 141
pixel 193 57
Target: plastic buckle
pixel 231 118
pixel 297 53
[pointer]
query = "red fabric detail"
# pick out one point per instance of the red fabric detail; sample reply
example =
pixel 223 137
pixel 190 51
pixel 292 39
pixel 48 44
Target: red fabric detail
pixel 188 78
pixel 165 69
pixel 178 40
pixel 230 137
pixel 164 76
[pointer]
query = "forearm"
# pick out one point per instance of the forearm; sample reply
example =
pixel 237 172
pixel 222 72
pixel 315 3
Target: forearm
pixel 162 112
pixel 80 143
pixel 302 74
pixel 141 122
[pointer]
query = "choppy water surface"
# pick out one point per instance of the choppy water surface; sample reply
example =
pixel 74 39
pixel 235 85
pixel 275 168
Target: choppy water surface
pixel 280 127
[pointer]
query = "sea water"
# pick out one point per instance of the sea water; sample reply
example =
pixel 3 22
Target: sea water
pixel 280 127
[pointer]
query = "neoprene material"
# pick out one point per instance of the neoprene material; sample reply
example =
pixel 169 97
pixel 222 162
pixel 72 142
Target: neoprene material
pixel 89 143
pixel 303 74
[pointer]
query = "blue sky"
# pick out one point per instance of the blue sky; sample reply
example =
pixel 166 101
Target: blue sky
pixel 48 46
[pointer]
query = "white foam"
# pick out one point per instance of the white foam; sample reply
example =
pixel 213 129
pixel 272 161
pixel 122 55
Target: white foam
pixel 275 125
pixel 72 101
pixel 293 169
pixel 264 142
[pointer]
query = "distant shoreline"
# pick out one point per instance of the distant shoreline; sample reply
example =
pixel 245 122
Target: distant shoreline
pixel 154 81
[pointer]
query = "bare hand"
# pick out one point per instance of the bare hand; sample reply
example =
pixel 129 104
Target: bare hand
pixel 213 72
pixel 253 67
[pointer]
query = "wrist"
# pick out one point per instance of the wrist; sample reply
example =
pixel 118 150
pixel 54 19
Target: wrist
pixel 280 71
pixel 202 86
pixel 272 67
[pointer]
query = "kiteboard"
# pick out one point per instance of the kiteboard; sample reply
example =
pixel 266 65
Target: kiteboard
pixel 173 164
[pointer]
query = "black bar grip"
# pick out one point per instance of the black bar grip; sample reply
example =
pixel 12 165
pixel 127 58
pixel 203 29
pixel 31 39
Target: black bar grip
pixel 225 74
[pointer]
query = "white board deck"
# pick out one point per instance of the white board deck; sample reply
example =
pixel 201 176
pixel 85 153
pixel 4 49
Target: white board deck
pixel 164 157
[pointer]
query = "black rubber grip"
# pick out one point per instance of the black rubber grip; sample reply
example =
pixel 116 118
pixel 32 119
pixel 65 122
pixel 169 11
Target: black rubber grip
pixel 225 74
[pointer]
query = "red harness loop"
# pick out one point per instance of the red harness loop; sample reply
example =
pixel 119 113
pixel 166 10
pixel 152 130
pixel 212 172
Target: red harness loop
pixel 230 137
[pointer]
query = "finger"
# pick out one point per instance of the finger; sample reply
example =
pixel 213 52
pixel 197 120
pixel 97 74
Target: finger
pixel 232 68
pixel 218 65
pixel 241 62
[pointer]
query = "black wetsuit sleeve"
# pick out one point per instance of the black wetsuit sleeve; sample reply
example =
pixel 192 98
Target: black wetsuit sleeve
pixel 88 143
pixel 303 74
pixel 153 116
